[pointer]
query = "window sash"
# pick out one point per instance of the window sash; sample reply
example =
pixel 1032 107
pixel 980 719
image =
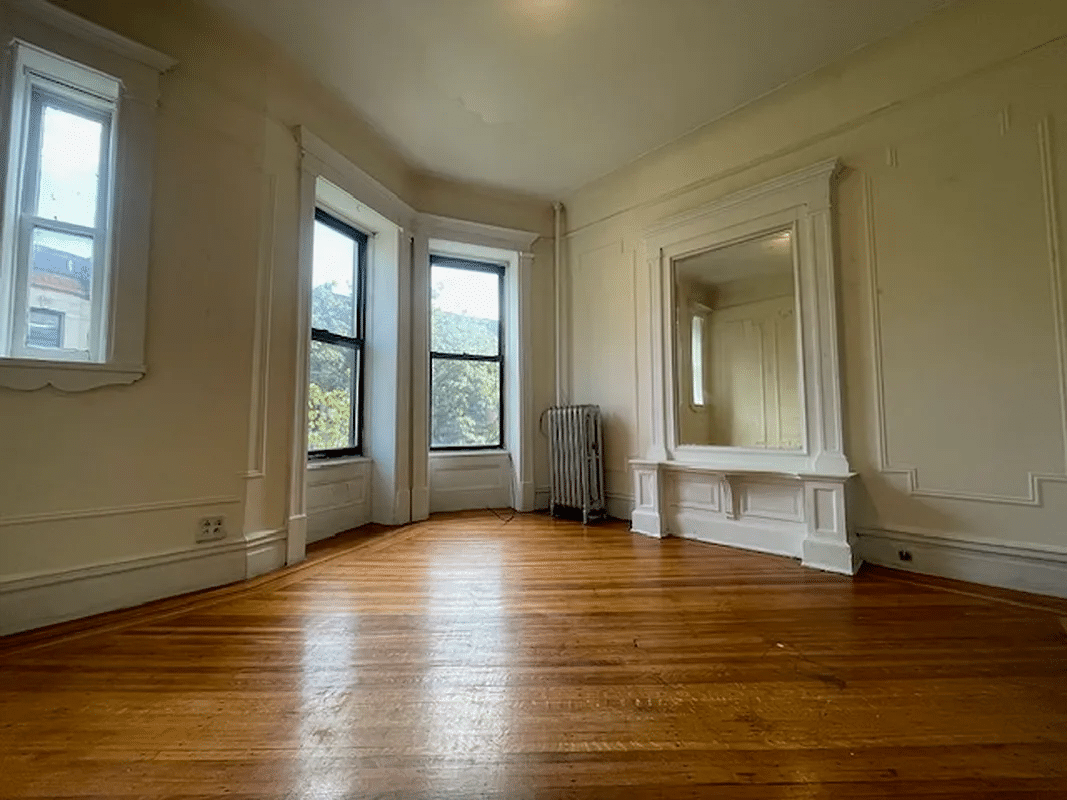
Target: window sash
pixel 36 90
pixel 437 355
pixel 354 343
pixel 355 442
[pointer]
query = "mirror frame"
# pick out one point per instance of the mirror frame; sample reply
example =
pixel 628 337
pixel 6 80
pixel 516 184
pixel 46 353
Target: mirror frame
pixel 801 201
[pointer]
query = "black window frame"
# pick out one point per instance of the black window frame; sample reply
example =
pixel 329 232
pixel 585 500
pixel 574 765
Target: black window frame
pixel 471 265
pixel 355 343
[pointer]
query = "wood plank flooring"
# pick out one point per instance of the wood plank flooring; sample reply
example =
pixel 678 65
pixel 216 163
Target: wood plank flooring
pixel 469 657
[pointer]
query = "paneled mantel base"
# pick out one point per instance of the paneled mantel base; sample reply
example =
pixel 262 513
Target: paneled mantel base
pixel 791 514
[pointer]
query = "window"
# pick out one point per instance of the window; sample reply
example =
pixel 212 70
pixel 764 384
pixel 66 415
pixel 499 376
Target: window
pixel 46 328
pixel 697 352
pixel 466 354
pixel 338 324
pixel 57 226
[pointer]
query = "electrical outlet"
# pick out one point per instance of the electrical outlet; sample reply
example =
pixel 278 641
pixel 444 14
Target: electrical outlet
pixel 211 529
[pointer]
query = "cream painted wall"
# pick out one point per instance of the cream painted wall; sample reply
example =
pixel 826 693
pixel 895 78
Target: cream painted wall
pixel 950 223
pixel 119 476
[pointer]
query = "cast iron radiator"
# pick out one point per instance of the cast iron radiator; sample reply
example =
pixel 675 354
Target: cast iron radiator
pixel 576 450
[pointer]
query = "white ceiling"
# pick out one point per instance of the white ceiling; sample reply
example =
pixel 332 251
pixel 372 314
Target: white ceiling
pixel 543 96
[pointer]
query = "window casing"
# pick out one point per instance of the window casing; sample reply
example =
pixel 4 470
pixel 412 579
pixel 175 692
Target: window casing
pixel 338 331
pixel 466 354
pixel 57 226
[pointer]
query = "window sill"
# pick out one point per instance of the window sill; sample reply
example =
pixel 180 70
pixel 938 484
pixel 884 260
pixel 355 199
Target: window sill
pixel 488 451
pixel 327 463
pixel 28 374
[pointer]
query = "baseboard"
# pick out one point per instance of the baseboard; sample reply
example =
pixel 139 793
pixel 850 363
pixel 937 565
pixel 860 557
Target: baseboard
pixel 525 496
pixel 469 499
pixel 420 503
pixel 297 540
pixel 774 540
pixel 33 601
pixel 326 522
pixel 264 552
pixel 1022 567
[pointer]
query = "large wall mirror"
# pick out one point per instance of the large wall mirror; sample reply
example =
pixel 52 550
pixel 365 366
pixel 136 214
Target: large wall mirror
pixel 742 428
pixel 744 372
pixel 737 346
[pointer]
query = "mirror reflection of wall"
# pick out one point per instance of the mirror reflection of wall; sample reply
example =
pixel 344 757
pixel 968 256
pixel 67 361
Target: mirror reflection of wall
pixel 736 349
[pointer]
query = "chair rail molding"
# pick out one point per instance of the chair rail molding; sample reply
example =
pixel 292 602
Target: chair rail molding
pixel 791 502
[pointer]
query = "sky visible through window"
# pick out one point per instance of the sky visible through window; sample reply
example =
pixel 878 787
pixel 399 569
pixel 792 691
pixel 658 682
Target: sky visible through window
pixel 69 169
pixel 466 292
pixel 334 259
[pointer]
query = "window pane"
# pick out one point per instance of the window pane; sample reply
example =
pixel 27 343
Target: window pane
pixel 61 280
pixel 466 403
pixel 333 293
pixel 465 311
pixel 69 167
pixel 46 328
pixel 331 397
pixel 698 359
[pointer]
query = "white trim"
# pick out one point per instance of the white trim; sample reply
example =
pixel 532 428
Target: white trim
pixel 817 528
pixel 476 233
pixel 453 476
pixel 264 552
pixel 802 202
pixel 324 161
pixel 338 496
pixel 1009 565
pixel 326 174
pixel 91 32
pixel 95 51
pixel 45 598
pixel 26 374
pixel 511 248
pixel 335 463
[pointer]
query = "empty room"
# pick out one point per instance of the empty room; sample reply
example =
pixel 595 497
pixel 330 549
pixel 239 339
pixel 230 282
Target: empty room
pixel 533 399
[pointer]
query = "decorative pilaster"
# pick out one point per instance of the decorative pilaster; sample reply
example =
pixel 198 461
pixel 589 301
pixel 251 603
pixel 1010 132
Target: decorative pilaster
pixel 647 515
pixel 827 544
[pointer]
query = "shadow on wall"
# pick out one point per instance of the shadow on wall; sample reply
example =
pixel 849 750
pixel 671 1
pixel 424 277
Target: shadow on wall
pixel 864 511
pixel 619 447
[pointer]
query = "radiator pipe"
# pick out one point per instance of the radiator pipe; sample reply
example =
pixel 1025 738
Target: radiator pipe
pixel 557 208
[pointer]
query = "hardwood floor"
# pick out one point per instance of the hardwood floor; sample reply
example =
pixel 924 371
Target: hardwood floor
pixel 469 657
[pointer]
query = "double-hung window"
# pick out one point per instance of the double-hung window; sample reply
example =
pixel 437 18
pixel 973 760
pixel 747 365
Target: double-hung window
pixel 466 354
pixel 338 323
pixel 57 239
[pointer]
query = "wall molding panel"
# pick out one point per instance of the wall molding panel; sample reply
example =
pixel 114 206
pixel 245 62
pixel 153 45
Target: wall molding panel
pixel 1037 480
pixel 338 497
pixel 463 481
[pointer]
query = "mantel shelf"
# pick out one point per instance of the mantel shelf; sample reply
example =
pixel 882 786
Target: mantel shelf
pixel 742 472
